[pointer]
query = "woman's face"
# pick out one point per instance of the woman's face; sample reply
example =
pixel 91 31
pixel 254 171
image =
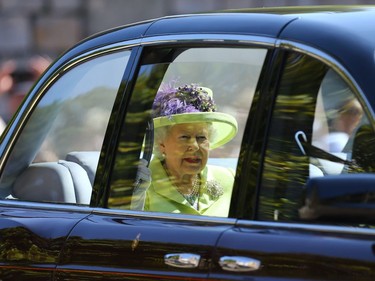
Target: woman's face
pixel 186 149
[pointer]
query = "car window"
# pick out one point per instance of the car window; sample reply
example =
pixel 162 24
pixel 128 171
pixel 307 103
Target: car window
pixel 56 155
pixel 171 86
pixel 319 128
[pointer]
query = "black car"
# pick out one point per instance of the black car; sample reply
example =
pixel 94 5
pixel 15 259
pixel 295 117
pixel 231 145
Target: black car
pixel 300 83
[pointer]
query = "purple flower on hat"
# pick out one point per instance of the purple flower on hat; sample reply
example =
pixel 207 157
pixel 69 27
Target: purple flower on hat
pixel 170 100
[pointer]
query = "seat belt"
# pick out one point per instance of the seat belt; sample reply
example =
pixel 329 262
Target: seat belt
pixel 316 152
pixel 149 142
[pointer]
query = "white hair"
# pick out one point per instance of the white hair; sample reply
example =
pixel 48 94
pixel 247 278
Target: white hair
pixel 161 133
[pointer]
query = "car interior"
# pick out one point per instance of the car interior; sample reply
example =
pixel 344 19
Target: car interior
pixel 68 181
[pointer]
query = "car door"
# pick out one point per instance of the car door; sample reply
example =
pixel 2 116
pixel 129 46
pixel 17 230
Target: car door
pixel 31 239
pixel 115 242
pixel 311 217
pixel 43 192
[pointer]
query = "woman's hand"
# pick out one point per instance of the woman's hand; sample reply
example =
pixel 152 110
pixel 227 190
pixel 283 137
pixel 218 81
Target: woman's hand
pixel 142 183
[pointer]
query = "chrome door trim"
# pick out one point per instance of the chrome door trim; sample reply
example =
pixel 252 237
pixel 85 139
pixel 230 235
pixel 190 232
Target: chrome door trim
pixel 164 216
pixel 182 260
pixel 235 39
pixel 287 226
pixel 14 203
pixel 239 264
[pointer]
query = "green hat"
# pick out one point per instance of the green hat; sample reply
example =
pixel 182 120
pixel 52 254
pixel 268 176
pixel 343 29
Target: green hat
pixel 192 104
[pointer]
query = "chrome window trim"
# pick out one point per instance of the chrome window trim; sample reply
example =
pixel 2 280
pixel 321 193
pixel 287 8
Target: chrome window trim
pixel 34 97
pixel 117 47
pixel 335 65
pixel 37 94
pixel 306 227
pixel 247 40
pixel 211 38
pixel 238 223
pixel 190 218
pixel 50 206
pixel 180 39
pixel 164 216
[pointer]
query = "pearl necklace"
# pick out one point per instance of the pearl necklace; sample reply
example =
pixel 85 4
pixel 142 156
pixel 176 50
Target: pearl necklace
pixel 193 195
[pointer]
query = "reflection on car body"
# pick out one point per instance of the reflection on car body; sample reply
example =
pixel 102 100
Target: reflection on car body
pixel 74 158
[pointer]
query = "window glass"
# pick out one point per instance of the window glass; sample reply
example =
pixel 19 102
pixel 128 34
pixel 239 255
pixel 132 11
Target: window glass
pixel 55 157
pixel 231 76
pixel 317 130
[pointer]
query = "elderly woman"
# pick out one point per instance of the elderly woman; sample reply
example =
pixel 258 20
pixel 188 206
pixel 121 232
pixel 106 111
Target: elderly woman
pixel 186 127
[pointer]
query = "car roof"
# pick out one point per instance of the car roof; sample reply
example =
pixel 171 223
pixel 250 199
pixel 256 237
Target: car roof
pixel 348 36
pixel 293 23
pixel 345 33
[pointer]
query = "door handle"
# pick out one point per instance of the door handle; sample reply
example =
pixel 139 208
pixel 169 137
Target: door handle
pixel 239 264
pixel 182 260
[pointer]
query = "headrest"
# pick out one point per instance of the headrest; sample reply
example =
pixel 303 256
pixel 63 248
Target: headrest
pixel 50 182
pixel 87 159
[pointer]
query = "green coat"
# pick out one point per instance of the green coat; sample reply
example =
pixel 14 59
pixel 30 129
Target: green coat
pixel 162 196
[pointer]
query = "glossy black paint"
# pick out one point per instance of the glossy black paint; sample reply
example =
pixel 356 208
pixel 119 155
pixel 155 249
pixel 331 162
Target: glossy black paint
pixel 263 25
pixel 31 240
pixel 136 246
pixel 91 244
pixel 304 254
pixel 346 36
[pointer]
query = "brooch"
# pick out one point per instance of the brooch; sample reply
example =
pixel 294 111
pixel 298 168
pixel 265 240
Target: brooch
pixel 214 189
